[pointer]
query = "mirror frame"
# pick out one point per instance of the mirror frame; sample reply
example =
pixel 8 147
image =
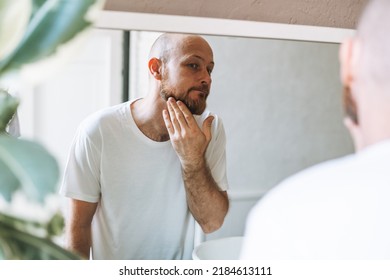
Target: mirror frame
pixel 216 26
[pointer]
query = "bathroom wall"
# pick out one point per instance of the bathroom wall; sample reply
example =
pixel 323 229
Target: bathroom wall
pixel 51 113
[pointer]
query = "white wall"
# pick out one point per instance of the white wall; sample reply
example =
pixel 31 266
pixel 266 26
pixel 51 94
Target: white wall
pixel 51 113
pixel 281 105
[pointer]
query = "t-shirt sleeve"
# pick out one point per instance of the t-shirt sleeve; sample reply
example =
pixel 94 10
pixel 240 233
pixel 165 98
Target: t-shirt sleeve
pixel 216 154
pixel 82 172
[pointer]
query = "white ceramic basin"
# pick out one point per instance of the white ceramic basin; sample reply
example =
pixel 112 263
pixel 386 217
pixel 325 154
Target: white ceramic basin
pixel 227 248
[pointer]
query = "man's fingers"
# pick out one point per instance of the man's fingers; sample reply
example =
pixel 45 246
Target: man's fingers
pixel 190 120
pixel 172 115
pixel 168 122
pixel 178 113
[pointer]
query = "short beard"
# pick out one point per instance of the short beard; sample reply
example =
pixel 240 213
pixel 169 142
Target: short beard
pixel 195 107
pixel 349 104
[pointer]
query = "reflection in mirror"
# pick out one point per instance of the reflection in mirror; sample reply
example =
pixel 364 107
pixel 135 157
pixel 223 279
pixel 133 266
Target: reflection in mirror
pixel 281 104
pixel 280 101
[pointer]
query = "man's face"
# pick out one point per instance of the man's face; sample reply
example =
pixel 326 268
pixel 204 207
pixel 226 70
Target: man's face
pixel 187 74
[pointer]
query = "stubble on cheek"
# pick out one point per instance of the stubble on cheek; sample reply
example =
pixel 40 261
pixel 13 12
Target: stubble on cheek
pixel 349 104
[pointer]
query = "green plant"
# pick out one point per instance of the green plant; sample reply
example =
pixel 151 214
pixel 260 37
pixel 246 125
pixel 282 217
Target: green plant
pixel 42 30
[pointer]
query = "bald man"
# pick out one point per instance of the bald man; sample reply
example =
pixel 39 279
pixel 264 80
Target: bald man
pixel 141 173
pixel 339 209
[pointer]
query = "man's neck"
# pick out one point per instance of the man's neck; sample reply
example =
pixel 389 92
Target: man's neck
pixel 147 114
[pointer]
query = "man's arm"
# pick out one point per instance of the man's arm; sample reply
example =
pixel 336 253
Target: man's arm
pixel 78 227
pixel 206 201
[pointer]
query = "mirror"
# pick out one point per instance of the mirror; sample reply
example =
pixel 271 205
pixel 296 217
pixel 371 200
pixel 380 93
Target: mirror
pixel 276 87
pixel 279 100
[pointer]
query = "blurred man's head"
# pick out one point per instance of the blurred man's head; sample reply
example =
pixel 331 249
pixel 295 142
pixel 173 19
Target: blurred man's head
pixel 366 74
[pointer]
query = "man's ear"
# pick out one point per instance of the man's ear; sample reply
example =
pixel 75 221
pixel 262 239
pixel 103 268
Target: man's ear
pixel 345 57
pixel 155 67
pixel 348 55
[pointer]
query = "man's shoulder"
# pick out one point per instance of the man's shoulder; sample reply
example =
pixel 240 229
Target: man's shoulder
pixel 102 121
pixel 103 115
pixel 316 180
pixel 345 170
pixel 327 169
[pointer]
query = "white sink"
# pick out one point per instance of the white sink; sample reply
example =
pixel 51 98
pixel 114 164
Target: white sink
pixel 227 248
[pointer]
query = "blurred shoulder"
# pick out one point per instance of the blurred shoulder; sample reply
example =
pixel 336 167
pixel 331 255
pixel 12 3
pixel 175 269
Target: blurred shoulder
pixel 105 117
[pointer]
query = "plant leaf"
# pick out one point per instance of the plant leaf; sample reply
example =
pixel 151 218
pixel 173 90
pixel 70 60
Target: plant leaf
pixel 16 14
pixel 26 165
pixel 54 23
pixel 8 106
pixel 17 244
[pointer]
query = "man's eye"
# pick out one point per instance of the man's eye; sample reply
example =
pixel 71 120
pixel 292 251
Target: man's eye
pixel 210 71
pixel 193 65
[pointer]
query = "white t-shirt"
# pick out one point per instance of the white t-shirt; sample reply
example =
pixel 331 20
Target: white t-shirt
pixel 339 209
pixel 142 211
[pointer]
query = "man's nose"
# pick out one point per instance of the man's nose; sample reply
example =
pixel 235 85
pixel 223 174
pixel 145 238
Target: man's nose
pixel 206 77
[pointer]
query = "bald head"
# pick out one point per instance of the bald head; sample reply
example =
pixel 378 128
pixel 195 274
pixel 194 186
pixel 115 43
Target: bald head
pixel 365 74
pixel 374 36
pixel 168 43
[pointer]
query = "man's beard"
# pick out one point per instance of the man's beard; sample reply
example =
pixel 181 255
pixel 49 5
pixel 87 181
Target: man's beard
pixel 349 104
pixel 196 107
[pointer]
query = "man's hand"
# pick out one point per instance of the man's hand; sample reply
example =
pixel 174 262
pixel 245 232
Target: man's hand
pixel 206 202
pixel 188 140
